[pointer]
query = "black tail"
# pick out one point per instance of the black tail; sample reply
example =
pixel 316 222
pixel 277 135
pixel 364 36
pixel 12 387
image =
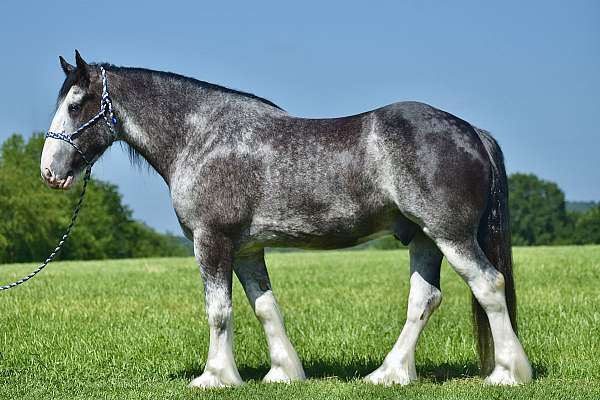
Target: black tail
pixel 494 239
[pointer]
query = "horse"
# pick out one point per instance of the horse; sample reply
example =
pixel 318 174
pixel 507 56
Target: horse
pixel 244 175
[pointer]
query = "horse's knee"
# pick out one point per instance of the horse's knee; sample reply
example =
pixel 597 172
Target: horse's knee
pixel 218 307
pixel 423 299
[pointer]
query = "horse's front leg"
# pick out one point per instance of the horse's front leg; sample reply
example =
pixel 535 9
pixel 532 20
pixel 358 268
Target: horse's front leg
pixel 214 253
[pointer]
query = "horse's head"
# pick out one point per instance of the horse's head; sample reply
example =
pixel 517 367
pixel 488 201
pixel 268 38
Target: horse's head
pixel 78 102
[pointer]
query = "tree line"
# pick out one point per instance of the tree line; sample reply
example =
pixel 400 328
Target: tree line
pixel 539 214
pixel 33 217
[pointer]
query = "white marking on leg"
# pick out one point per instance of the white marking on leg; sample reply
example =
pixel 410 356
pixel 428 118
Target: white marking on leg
pixel 487 284
pixel 220 369
pixel 399 365
pixel 285 364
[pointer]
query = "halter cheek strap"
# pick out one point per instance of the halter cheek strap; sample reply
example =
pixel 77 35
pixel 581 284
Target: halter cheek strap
pixel 106 112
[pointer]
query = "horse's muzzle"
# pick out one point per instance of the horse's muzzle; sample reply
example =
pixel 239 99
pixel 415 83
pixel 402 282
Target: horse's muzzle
pixel 53 182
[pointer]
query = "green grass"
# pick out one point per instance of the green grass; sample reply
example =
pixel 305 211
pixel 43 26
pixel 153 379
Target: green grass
pixel 135 329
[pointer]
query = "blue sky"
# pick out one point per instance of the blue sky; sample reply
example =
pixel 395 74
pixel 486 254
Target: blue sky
pixel 527 71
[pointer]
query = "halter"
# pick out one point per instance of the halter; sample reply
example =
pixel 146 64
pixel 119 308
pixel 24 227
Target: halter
pixel 106 112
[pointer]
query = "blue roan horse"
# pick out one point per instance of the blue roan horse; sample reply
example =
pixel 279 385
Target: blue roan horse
pixel 245 175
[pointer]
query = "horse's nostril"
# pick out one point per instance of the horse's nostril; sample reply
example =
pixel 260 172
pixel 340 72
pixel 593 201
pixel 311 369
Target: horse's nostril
pixel 48 175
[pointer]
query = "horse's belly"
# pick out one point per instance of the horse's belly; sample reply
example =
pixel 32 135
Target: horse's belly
pixel 341 228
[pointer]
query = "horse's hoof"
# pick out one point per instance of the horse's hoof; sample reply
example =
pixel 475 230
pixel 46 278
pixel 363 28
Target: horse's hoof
pixel 514 371
pixel 388 376
pixel 209 380
pixel 502 376
pixel 277 374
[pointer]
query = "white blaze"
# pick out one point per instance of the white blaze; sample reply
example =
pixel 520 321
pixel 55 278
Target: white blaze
pixel 61 123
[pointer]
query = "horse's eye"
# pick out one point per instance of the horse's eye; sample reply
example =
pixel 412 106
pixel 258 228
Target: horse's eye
pixel 74 107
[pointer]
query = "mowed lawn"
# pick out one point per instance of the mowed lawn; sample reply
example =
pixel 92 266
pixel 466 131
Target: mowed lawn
pixel 135 329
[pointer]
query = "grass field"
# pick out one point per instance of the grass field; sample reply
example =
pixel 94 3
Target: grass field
pixel 135 329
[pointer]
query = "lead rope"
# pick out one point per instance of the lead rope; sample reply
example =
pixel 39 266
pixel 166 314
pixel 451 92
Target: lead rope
pixel 86 179
pixel 106 112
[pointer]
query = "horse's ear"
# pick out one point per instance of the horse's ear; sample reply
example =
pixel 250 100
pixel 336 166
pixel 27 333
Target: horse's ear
pixel 66 67
pixel 80 61
pixel 83 70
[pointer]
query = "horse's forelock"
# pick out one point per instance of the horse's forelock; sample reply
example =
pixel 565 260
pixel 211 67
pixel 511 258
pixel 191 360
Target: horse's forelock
pixel 68 83
pixel 71 80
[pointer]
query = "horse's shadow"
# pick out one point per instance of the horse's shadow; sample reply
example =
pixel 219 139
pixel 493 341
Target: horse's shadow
pixel 437 373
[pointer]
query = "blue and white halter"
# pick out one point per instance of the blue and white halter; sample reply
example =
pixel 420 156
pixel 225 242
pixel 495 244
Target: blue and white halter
pixel 106 112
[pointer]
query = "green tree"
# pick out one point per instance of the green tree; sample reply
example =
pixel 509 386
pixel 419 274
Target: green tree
pixel 34 217
pixel 587 227
pixel 537 210
pixel 30 217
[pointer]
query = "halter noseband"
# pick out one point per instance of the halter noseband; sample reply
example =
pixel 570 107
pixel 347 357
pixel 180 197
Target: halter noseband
pixel 106 112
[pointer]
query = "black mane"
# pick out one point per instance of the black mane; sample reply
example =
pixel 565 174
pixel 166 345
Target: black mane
pixel 193 81
pixel 72 79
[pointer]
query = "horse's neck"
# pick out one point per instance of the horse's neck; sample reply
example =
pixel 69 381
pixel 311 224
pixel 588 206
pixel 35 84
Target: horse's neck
pixel 149 122
pixel 159 118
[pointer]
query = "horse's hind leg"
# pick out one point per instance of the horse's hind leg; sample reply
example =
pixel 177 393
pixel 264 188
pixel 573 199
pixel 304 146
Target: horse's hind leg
pixel 487 284
pixel 424 297
pixel 252 273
